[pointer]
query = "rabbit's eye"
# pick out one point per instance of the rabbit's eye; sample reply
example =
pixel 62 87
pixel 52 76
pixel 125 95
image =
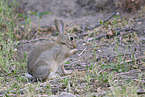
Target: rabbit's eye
pixel 71 38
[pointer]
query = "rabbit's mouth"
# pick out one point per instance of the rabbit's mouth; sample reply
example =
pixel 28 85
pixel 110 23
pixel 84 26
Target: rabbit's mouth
pixel 74 45
pixel 71 46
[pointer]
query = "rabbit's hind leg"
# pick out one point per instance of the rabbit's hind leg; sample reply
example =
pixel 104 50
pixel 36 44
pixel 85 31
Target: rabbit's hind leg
pixel 41 70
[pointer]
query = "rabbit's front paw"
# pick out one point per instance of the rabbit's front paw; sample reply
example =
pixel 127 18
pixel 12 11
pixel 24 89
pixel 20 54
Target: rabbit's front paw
pixel 67 72
pixel 72 52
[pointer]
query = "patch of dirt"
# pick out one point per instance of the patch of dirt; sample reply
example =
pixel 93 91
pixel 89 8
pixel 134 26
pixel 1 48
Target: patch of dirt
pixel 72 11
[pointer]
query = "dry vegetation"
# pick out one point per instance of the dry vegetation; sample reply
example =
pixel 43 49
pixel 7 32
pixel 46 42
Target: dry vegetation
pixel 129 5
pixel 110 61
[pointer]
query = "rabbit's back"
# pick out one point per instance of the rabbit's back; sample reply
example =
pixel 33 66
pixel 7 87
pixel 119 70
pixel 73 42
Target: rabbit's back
pixel 42 52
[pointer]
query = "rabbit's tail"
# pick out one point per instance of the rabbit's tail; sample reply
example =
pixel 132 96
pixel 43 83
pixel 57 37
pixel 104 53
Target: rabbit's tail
pixel 29 76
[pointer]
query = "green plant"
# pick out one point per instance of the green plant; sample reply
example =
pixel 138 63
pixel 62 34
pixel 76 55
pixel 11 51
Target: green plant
pixel 39 15
pixel 27 19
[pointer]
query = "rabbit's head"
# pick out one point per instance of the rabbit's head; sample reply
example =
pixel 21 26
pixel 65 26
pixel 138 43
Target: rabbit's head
pixel 64 38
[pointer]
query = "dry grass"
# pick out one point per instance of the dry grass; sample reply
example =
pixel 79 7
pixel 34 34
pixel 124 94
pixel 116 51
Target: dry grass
pixel 129 5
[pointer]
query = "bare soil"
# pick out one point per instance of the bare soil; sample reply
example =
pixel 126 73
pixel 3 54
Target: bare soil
pixel 72 11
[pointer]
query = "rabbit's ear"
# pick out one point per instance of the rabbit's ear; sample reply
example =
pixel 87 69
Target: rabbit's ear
pixel 56 24
pixel 62 25
pixel 59 26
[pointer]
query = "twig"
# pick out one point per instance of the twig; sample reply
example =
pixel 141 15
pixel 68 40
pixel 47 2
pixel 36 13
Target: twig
pixel 140 92
pixel 99 24
pixel 118 33
pixel 108 18
pixel 126 29
pixel 132 71
pixel 82 52
pixel 139 80
pixel 100 36
pixel 110 57
pixel 128 61
pixel 139 19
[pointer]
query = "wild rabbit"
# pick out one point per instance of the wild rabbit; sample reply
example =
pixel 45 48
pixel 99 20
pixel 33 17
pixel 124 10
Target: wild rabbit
pixel 47 58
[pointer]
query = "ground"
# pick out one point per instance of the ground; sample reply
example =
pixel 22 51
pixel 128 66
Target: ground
pixel 100 63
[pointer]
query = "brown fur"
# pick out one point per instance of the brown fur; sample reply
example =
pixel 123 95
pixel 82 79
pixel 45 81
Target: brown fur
pixel 45 59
